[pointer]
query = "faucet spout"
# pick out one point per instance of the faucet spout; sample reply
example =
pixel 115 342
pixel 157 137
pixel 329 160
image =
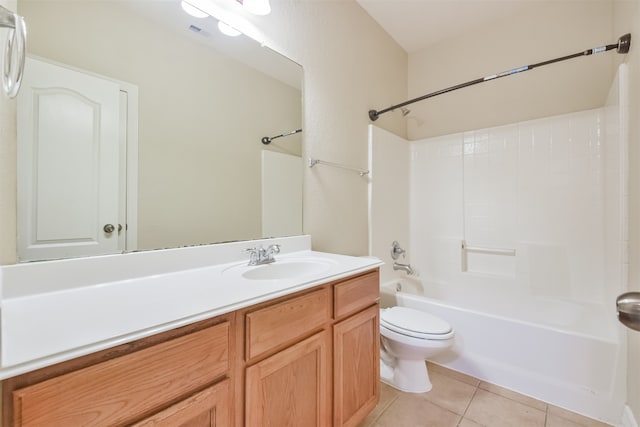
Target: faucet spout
pixel 404 267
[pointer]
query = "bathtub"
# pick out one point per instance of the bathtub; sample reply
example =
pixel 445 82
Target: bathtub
pixel 561 352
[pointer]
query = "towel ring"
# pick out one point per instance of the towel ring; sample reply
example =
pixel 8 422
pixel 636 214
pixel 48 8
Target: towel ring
pixel 14 51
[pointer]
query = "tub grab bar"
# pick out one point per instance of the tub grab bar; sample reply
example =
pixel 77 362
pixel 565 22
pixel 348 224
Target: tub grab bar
pixel 465 249
pixel 493 251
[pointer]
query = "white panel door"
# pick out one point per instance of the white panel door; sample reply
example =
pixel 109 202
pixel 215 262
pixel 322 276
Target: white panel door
pixel 68 164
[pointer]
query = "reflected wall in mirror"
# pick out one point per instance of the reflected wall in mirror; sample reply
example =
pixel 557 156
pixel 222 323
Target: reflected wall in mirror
pixel 205 101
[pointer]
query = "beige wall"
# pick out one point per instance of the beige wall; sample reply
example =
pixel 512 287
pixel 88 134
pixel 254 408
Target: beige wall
pixel 351 66
pixel 7 168
pixel 7 176
pixel 627 20
pixel 547 30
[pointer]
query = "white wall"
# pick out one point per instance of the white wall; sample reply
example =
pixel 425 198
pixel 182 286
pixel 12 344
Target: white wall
pixel 389 198
pixel 546 30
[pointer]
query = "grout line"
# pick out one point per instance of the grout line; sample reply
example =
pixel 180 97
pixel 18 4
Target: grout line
pixel 546 415
pixel 470 400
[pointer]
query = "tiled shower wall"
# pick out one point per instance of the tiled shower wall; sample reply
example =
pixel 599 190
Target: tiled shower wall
pixel 536 187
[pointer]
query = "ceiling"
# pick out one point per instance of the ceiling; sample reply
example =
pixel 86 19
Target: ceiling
pixel 417 24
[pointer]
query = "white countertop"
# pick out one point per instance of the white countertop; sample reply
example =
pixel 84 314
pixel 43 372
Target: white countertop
pixel 71 311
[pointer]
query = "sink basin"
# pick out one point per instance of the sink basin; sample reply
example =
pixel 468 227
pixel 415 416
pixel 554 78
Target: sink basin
pixel 284 269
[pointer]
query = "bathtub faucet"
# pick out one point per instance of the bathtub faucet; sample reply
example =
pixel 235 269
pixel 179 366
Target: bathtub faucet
pixel 404 267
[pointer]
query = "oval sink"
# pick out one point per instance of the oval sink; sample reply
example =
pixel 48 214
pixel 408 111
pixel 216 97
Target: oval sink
pixel 281 269
pixel 286 269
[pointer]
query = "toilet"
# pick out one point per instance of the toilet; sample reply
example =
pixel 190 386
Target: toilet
pixel 408 337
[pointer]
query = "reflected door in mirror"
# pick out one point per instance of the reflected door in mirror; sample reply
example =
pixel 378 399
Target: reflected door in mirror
pixel 68 164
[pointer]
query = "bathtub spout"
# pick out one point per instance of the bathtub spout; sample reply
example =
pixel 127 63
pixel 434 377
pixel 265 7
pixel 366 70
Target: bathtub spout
pixel 404 267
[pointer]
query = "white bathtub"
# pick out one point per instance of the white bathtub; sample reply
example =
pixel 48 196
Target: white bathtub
pixel 561 352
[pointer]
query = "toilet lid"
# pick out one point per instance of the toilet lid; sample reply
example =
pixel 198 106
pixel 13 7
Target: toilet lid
pixel 413 322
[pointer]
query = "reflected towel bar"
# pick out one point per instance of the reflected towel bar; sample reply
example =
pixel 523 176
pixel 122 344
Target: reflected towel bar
pixel 313 162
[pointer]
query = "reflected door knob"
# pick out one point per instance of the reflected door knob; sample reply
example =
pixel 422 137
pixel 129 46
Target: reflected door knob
pixel 109 228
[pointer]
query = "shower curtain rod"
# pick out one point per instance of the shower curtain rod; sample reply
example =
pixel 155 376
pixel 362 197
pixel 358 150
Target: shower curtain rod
pixel 622 46
pixel 266 140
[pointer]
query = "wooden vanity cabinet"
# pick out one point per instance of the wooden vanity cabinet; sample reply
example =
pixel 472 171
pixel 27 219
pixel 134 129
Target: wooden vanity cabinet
pixel 306 359
pixel 169 376
pixel 321 366
pixel 356 349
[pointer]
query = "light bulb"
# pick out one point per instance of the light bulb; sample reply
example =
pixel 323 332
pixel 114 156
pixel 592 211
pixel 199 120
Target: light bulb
pixel 257 7
pixel 192 10
pixel 227 29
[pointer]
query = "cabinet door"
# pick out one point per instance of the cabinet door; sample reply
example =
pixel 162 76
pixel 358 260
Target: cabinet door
pixel 290 388
pixel 356 359
pixel 209 408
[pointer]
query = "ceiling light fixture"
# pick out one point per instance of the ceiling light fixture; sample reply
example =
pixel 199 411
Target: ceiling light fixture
pixel 257 7
pixel 192 10
pixel 228 30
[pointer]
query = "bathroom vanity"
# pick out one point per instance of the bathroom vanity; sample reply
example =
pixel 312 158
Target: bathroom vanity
pixel 294 351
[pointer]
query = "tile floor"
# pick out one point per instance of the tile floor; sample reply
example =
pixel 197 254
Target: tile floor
pixel 460 400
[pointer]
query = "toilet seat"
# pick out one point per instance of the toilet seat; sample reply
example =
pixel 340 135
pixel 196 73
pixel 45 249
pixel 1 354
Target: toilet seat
pixel 415 323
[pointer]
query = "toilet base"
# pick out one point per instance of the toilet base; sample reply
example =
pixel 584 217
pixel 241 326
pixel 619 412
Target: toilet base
pixel 410 376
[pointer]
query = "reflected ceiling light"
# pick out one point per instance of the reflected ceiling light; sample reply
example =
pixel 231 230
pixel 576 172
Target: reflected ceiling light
pixel 192 10
pixel 227 29
pixel 257 7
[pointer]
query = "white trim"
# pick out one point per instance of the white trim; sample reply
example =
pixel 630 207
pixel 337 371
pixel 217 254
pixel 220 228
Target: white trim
pixel 628 419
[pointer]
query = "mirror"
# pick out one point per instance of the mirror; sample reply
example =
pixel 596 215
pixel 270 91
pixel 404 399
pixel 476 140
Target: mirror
pixel 204 103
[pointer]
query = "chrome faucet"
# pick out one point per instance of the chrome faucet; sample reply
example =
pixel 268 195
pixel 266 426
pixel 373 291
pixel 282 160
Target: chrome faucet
pixel 259 256
pixel 404 267
pixel 396 251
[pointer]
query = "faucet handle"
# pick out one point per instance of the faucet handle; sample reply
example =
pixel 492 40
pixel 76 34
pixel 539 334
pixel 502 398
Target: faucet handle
pixel 396 250
pixel 275 248
pixel 253 255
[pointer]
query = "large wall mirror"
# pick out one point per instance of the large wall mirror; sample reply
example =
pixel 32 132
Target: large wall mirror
pixel 195 102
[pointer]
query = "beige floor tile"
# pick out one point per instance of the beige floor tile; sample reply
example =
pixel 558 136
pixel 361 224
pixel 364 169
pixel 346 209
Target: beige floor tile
pixel 414 410
pixel 578 419
pixel 450 393
pixel 387 395
pixel 556 421
pixel 490 409
pixel 465 422
pixel 468 379
pixel 534 403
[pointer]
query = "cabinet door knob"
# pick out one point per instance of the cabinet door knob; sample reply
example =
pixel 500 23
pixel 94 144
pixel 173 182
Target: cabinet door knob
pixel 109 228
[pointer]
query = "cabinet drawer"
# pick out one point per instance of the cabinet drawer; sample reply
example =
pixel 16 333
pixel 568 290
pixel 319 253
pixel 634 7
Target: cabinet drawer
pixel 120 390
pixel 356 293
pixel 271 327
pixel 210 407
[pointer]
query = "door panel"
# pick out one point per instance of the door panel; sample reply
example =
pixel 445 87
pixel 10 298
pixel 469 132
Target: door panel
pixel 290 388
pixel 68 163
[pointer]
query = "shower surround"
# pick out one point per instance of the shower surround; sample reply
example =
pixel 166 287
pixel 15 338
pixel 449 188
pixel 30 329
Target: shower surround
pixel 543 204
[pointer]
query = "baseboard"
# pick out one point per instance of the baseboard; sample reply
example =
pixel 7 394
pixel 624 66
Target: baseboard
pixel 628 419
